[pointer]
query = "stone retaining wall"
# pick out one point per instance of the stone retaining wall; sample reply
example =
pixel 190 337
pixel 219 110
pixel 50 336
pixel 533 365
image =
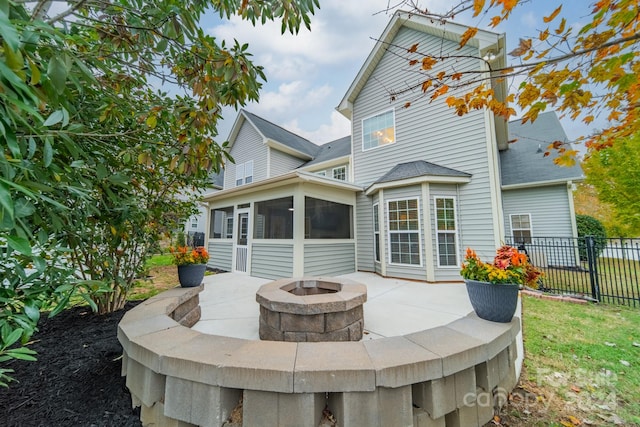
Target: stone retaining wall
pixel 448 376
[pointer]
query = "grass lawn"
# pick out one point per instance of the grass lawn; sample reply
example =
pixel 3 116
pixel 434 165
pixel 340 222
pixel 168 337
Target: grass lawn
pixel 581 366
pixel 163 275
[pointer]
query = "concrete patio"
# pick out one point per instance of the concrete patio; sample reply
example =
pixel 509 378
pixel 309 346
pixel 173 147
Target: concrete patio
pixel 191 355
pixel 394 307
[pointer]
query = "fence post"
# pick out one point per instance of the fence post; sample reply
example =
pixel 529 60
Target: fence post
pixel 592 259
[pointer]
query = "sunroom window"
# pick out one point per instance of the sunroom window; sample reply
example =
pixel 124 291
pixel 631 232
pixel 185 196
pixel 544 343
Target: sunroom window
pixel 274 219
pixel 221 224
pixel 327 220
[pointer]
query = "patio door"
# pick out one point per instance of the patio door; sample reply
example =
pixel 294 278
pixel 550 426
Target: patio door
pixel 241 251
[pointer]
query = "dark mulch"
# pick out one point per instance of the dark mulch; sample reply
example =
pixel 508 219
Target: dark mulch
pixel 76 380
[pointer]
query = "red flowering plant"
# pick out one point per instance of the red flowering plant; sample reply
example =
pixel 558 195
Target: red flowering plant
pixel 183 255
pixel 509 266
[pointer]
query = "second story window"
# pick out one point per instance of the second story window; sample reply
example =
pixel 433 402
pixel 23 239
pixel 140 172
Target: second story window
pixel 244 173
pixel 378 130
pixel 340 173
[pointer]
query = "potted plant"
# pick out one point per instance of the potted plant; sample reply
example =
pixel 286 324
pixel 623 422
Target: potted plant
pixel 191 263
pixel 493 287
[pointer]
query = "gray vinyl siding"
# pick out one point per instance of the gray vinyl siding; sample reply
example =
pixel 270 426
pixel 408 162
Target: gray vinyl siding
pixel 220 254
pixel 271 261
pixel 548 206
pixel 247 146
pixel 364 232
pixel 282 163
pixel 329 259
pixel 550 217
pixel 429 131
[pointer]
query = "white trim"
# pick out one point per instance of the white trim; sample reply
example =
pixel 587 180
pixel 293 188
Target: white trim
pixel 438 179
pixel 338 161
pixel 455 233
pixel 333 172
pixel 549 183
pixel 418 232
pixel 393 112
pixel 427 232
pixel 511 215
pixel 383 240
pixel 286 149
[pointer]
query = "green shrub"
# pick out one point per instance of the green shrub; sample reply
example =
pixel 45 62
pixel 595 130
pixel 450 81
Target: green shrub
pixel 589 226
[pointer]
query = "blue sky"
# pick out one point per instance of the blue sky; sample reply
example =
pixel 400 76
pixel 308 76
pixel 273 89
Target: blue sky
pixel 309 73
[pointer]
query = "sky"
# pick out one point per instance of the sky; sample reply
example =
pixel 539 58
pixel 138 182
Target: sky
pixel 308 73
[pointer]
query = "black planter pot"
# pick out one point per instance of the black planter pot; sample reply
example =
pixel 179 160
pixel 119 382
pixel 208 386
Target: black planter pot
pixel 191 275
pixel 496 303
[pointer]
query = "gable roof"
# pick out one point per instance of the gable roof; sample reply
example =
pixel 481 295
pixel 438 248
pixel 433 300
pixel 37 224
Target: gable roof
pixel 280 135
pixel 483 40
pixel 524 164
pixel 332 150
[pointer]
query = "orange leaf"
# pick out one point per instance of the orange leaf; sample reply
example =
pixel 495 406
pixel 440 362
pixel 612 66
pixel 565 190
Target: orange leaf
pixel 544 35
pixel 413 48
pixel 575 388
pixel 523 47
pixel 441 75
pixel 456 76
pixel 406 105
pixel 428 63
pixel 574 420
pixel 495 21
pixel 468 35
pixel 413 62
pixel 560 29
pixel 551 17
pixel 426 85
pixel 478 5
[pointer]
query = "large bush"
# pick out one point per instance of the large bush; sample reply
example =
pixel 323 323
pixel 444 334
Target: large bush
pixel 589 226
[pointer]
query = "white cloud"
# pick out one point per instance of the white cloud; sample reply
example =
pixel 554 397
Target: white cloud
pixel 337 127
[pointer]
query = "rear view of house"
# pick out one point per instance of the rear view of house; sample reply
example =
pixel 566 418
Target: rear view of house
pixel 403 196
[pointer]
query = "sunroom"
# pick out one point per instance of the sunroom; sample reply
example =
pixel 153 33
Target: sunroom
pixel 293 225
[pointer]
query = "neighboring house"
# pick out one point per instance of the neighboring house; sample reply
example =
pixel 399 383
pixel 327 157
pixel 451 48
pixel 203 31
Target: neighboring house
pixel 198 222
pixel 403 196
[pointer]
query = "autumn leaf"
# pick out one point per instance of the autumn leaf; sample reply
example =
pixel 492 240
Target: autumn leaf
pixel 406 105
pixel 560 29
pixel 413 48
pixel 495 21
pixel 523 47
pixel 468 35
pixel 428 63
pixel 426 85
pixel 478 5
pixel 551 17
pixel 413 62
pixel 544 35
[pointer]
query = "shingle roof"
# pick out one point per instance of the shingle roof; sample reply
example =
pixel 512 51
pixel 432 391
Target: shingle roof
pixel 281 135
pixel 524 161
pixel 332 150
pixel 418 168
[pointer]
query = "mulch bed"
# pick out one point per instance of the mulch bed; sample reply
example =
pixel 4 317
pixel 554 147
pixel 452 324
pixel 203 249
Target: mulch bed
pixel 76 380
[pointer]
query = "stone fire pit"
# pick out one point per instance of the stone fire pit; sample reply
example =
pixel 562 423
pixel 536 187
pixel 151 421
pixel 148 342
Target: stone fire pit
pixel 311 309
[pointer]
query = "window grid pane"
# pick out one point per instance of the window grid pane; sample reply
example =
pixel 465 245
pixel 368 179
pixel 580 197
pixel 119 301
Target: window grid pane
pixel 404 236
pixel 378 130
pixel 446 231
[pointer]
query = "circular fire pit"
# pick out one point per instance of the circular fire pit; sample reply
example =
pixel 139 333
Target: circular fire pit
pixel 311 309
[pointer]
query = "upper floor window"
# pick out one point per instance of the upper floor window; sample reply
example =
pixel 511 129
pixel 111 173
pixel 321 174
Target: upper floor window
pixel 446 231
pixel 244 173
pixel 521 228
pixel 194 222
pixel 378 130
pixel 340 173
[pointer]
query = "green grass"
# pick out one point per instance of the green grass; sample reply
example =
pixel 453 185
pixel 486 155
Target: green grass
pixel 615 276
pixel 159 260
pixel 584 346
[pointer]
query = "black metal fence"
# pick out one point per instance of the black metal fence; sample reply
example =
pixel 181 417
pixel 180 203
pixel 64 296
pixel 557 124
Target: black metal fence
pixel 603 270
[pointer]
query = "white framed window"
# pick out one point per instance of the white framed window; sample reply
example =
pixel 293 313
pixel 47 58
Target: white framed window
pixel 244 173
pixel 521 228
pixel 194 222
pixel 446 231
pixel 404 232
pixel 376 233
pixel 340 173
pixel 378 130
pixel 221 224
pixel 248 172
